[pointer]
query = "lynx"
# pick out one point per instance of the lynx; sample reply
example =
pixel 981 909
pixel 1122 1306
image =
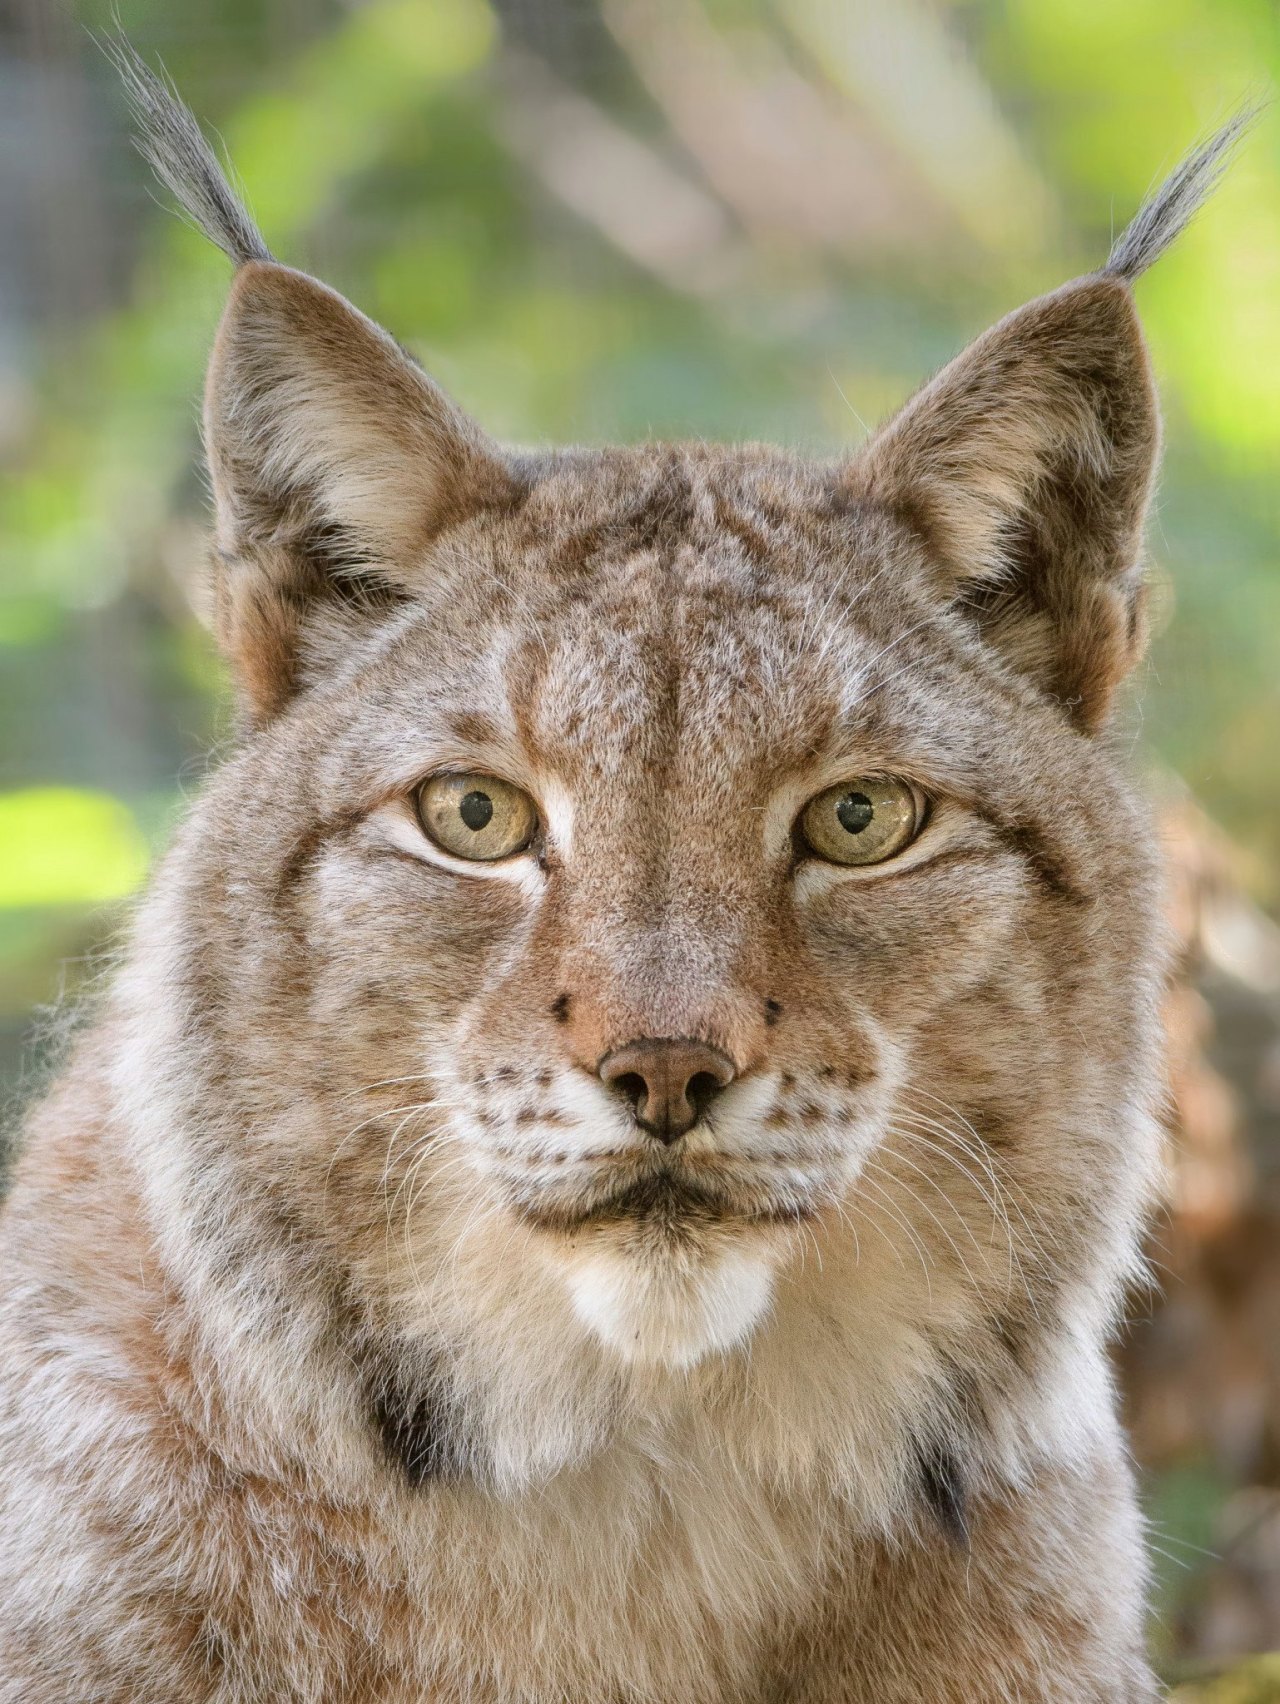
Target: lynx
pixel 621 1134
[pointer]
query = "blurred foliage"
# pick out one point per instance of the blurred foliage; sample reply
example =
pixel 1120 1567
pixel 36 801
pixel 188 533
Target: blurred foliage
pixel 1181 1507
pixel 1249 1683
pixel 601 219
pixel 63 846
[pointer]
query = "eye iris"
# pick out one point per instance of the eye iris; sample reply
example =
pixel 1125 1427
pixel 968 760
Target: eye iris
pixel 476 810
pixel 854 812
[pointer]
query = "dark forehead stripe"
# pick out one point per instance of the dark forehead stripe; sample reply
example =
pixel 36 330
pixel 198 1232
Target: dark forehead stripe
pixel 746 528
pixel 657 516
pixel 663 503
pixel 472 728
pixel 299 859
pixel 291 875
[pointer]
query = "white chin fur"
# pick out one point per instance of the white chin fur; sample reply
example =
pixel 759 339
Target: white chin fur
pixel 658 1311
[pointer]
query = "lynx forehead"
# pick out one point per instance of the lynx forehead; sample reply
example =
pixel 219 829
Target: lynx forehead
pixel 621 1134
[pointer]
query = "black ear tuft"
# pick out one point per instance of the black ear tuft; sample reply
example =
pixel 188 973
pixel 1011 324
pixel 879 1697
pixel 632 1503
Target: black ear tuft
pixel 1026 466
pixel 334 458
pixel 1165 215
pixel 171 140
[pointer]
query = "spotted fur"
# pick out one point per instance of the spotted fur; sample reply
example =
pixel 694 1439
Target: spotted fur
pixel 355 1343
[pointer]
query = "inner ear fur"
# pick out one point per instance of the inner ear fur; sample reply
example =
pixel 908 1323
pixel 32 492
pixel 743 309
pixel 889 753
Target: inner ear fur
pixel 1026 468
pixel 334 461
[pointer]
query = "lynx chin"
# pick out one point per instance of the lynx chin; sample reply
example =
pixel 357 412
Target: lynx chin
pixel 627 1115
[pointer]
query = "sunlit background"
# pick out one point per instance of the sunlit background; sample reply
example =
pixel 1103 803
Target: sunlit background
pixel 602 219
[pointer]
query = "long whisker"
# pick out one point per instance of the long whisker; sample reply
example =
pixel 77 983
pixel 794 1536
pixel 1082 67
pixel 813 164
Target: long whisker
pixel 373 1117
pixel 866 1182
pixel 991 1196
pixel 410 1113
pixel 995 1201
pixel 388 1083
pixel 924 1205
pixel 914 1195
pixel 980 1150
pixel 864 1207
pixel 977 1149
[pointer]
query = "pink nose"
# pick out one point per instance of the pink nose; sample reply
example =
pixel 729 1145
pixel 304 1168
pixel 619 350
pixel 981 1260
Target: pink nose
pixel 668 1083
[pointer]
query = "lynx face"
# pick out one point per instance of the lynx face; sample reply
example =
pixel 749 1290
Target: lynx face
pixel 647 870
pixel 670 701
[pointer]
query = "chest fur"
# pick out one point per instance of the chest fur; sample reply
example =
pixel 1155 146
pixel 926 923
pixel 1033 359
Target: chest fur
pixel 632 1578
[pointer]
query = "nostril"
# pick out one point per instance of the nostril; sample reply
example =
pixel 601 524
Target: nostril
pixel 702 1090
pixel 631 1086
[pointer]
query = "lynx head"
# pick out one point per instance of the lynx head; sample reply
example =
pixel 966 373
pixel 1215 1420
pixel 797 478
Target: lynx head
pixel 676 905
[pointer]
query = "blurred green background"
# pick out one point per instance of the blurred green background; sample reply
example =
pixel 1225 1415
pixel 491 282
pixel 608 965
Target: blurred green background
pixel 602 219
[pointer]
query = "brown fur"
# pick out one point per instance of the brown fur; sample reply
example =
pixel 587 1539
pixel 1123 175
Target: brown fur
pixel 354 1343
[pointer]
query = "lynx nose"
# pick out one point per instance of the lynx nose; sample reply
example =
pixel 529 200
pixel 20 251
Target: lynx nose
pixel 669 1083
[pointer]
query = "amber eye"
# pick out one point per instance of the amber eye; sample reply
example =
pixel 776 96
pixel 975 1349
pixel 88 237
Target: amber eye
pixel 476 816
pixel 863 821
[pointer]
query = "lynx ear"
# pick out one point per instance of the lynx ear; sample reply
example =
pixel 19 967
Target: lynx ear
pixel 1026 467
pixel 334 460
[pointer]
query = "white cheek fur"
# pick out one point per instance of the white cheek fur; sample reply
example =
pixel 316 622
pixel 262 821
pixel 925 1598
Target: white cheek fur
pixel 595 1121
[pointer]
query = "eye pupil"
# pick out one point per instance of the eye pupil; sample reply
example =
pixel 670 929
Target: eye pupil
pixel 854 812
pixel 476 810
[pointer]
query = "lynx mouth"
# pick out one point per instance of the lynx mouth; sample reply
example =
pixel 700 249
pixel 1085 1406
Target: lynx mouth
pixel 668 1200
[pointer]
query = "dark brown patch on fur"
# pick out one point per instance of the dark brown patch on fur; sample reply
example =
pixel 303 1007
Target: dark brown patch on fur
pixel 1013 1335
pixel 420 1429
pixel 1049 872
pixel 943 1488
pixel 756 546
pixel 302 855
pixel 210 1650
pixel 474 729
pixel 549 1116
pixel 991 1125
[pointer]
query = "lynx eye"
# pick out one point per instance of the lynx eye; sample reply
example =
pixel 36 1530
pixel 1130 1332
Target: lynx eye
pixel 863 821
pixel 476 816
